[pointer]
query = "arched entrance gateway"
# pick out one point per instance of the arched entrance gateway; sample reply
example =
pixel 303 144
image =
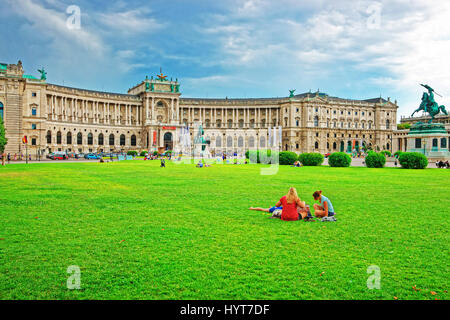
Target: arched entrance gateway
pixel 168 141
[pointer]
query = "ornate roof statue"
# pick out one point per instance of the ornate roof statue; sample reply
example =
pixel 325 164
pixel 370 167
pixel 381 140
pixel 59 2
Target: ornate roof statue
pixel 161 76
pixel 291 93
pixel 43 74
pixel 429 105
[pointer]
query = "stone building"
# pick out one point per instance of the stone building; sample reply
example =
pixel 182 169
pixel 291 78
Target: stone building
pixel 148 117
pixel 400 136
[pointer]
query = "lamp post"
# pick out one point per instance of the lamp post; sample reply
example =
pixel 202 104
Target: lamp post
pixel 424 146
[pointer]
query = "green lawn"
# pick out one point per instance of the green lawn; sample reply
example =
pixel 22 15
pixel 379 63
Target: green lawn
pixel 138 231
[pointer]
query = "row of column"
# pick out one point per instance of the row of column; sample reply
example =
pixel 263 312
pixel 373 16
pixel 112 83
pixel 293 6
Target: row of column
pixel 235 116
pixel 64 108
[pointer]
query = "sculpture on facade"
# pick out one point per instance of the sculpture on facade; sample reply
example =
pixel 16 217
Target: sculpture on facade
pixel 291 93
pixel 147 84
pixel 43 74
pixel 429 105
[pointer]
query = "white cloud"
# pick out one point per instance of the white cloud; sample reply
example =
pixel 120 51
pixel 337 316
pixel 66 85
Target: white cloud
pixel 131 21
pixel 52 24
pixel 410 45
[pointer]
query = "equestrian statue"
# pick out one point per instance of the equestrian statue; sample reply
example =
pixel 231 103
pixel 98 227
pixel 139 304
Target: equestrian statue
pixel 429 105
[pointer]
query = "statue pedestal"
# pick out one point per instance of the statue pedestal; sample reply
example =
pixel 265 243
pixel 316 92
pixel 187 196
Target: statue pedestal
pixel 430 139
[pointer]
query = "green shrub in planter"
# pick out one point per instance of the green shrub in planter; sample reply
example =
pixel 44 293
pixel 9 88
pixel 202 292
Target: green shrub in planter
pixel 413 160
pixel 132 153
pixel 142 154
pixel 386 153
pixel 375 160
pixel 287 158
pixel 339 159
pixel 311 159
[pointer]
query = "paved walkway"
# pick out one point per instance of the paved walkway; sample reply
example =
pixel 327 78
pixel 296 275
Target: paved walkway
pixel 356 162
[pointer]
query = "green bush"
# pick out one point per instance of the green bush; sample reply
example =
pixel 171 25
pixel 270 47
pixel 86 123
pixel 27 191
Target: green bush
pixel 287 158
pixel 375 160
pixel 266 155
pixel 403 126
pixel 132 153
pixel 339 159
pixel 413 160
pixel 311 159
pixel 155 153
pixel 386 153
pixel 142 154
pixel 397 154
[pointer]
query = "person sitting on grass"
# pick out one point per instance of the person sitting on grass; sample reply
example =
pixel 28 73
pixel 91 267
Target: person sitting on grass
pixel 199 164
pixel 269 210
pixel 296 164
pixel 290 202
pixel 325 209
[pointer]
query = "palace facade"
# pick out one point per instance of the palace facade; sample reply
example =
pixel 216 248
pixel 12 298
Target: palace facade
pixel 149 116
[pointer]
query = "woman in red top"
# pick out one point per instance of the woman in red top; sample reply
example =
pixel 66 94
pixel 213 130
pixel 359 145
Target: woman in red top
pixel 289 203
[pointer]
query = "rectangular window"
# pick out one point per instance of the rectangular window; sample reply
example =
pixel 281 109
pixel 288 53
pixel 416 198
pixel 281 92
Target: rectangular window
pixel 418 143
pixel 33 94
pixel 33 141
pixel 33 112
pixel 33 126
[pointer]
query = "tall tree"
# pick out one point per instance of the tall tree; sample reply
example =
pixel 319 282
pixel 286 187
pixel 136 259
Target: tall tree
pixel 3 140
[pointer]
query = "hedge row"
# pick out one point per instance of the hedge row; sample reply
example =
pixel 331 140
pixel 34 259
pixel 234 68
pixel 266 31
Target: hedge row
pixel 408 160
pixel 375 160
pixel 339 159
pixel 413 160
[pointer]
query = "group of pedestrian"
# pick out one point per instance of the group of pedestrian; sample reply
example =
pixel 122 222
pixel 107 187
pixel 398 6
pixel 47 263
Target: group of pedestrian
pixel 443 165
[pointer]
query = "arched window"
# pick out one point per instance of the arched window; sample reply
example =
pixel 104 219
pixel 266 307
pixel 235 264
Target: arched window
pixel 240 142
pixel 388 146
pixel 388 125
pixel 100 139
pixel 334 145
pixel 443 143
pixel 219 123
pixel 208 123
pixel 133 140
pixel 49 137
pixel 79 138
pixel 435 143
pixel 263 123
pixel 251 142
pixel 90 139
pixel 69 138
pixel 230 123
pixel 262 142
pixel 316 121
pixel 219 141
pixel 229 142
pixel 328 145
pixel 111 140
pixel 241 123
pixel 58 137
pixel 122 139
pixel 2 110
pixel 316 145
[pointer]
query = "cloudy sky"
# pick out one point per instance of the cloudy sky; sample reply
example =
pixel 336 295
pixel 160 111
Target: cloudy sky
pixel 237 48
